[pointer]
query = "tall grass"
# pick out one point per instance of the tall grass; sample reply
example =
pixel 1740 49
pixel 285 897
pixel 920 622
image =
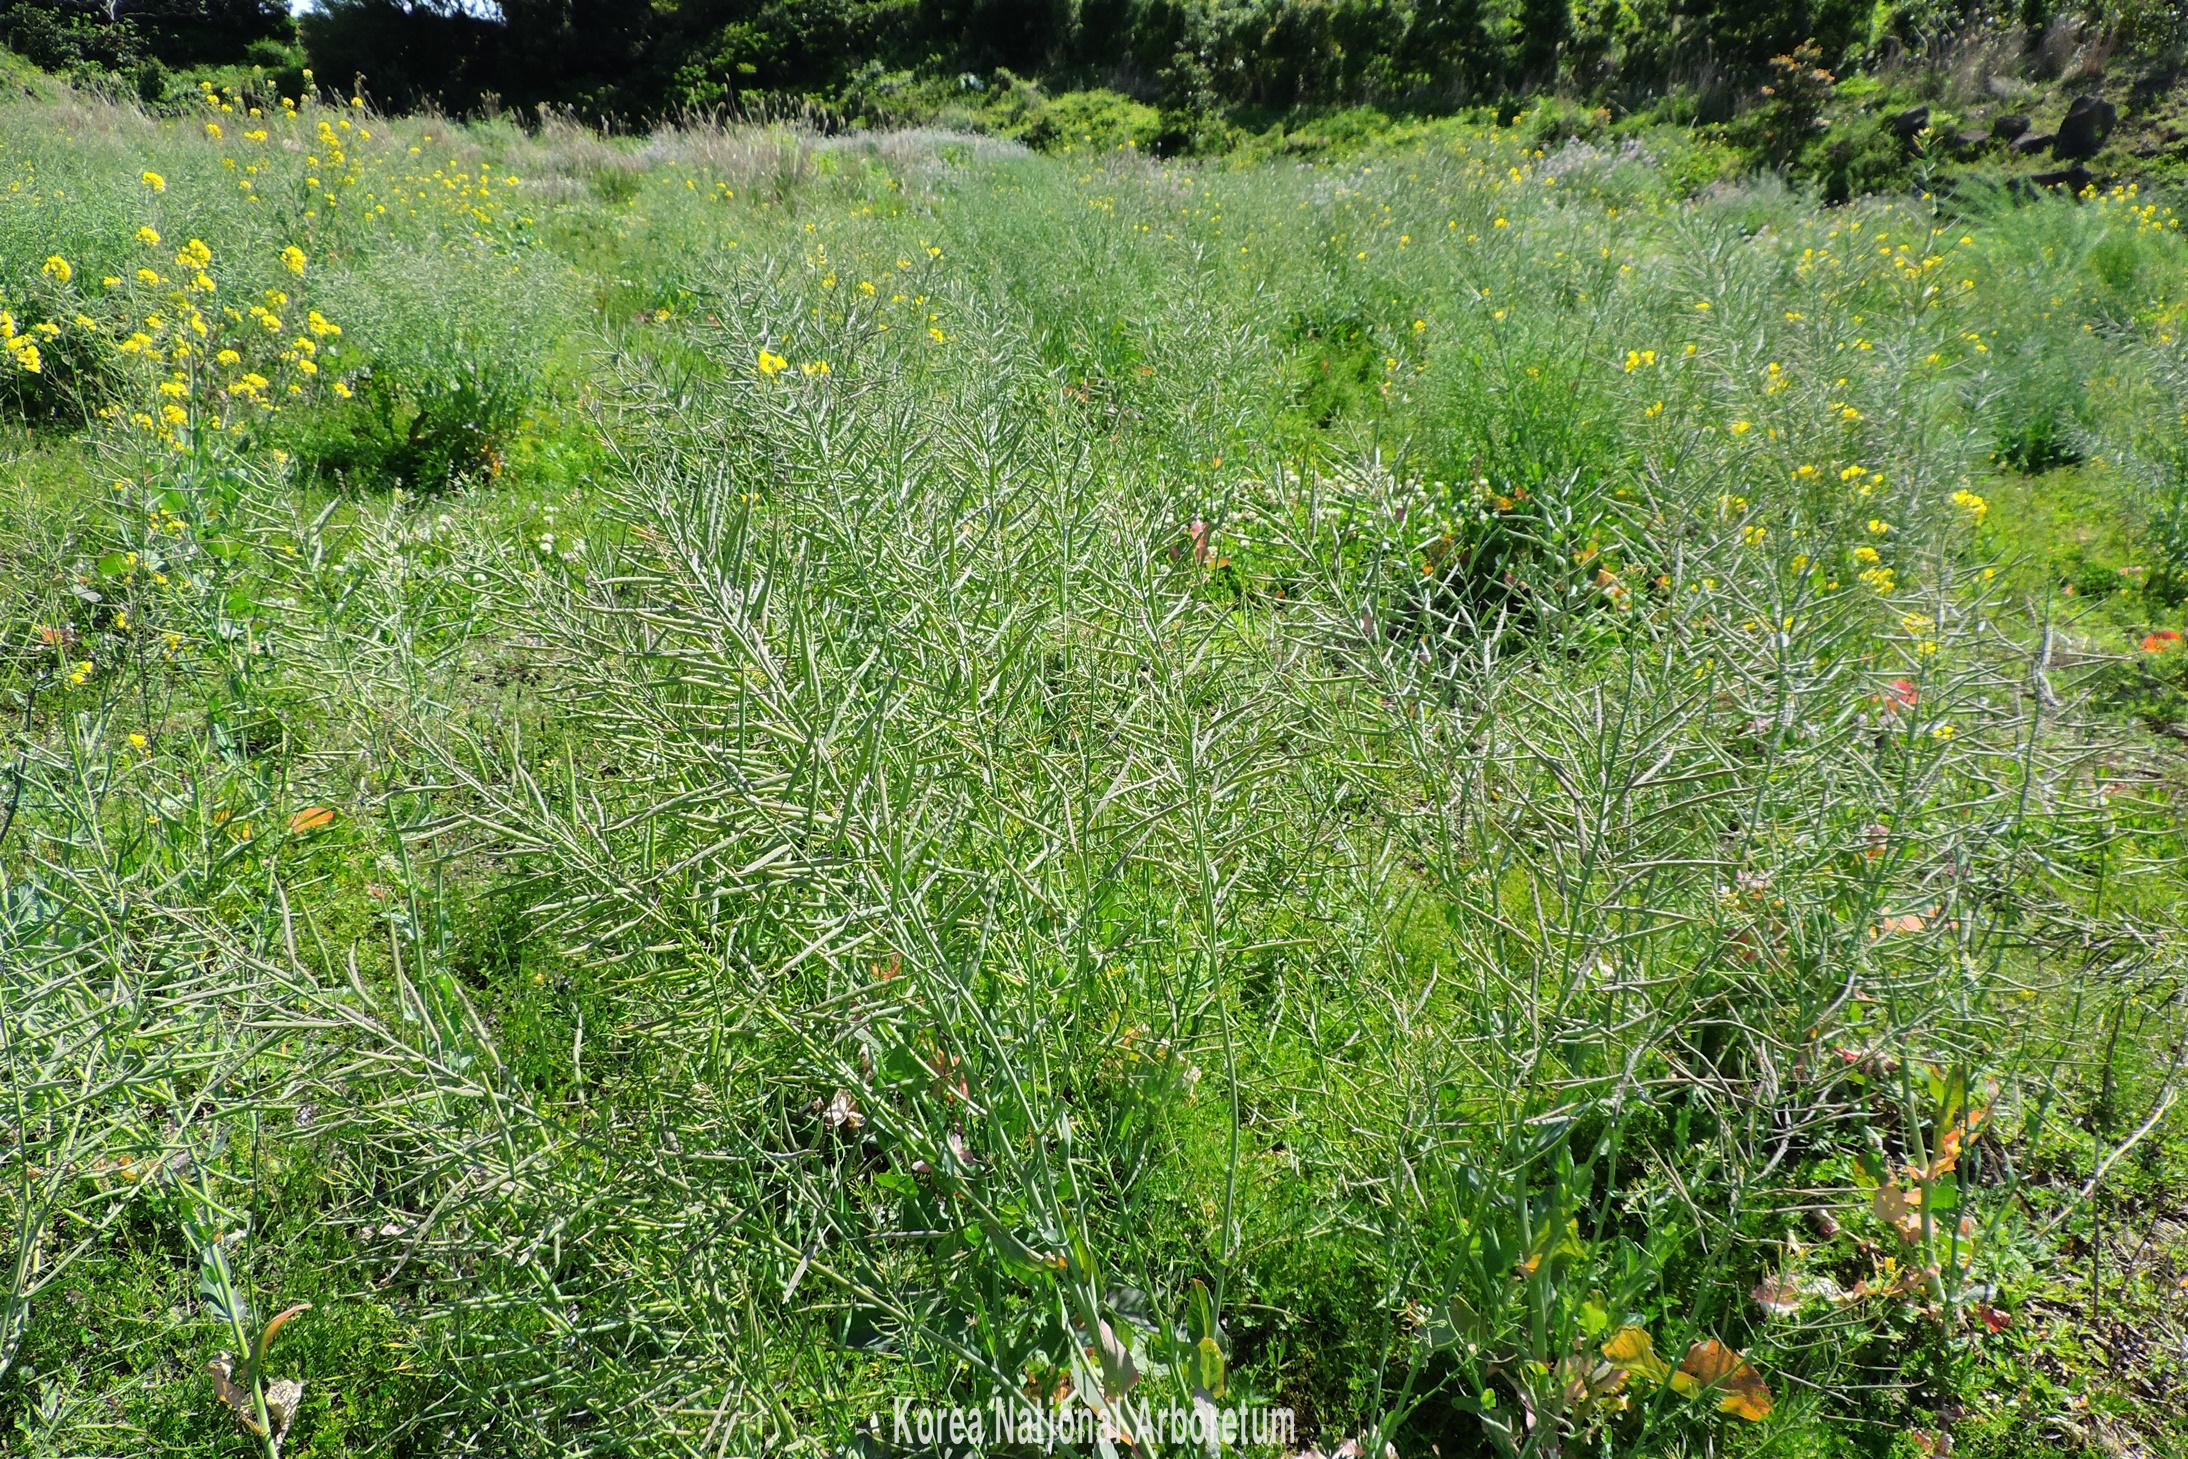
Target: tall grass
pixel 1423 771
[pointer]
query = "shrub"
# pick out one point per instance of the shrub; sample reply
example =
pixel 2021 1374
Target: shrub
pixel 448 374
pixel 1096 120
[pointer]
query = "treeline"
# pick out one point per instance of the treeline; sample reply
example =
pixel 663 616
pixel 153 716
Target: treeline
pixel 144 39
pixel 637 60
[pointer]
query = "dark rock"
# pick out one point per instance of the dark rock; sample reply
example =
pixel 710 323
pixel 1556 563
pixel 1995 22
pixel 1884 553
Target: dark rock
pixel 2005 129
pixel 2088 122
pixel 2033 143
pixel 1909 124
pixel 1974 139
pixel 2073 179
pixel 2148 150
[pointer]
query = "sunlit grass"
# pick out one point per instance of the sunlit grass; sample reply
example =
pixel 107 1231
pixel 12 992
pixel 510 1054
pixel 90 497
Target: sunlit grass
pixel 878 767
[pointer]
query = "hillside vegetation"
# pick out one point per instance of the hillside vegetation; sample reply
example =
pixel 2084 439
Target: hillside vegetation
pixel 1505 793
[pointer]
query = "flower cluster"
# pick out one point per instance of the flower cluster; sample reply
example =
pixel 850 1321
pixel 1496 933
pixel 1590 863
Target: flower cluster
pixel 195 362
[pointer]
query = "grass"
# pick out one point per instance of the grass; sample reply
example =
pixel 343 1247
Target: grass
pixel 876 769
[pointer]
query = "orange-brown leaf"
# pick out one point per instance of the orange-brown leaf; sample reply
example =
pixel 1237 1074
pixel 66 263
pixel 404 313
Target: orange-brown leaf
pixel 311 818
pixel 1709 1364
pixel 1899 1209
pixel 265 1338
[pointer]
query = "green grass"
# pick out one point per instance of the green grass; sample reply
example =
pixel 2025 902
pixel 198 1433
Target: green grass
pixel 1418 768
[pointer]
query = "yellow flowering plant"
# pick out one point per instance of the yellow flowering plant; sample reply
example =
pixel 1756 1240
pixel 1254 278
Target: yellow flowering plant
pixel 199 361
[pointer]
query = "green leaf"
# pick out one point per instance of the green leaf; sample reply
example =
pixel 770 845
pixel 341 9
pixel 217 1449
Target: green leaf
pixel 1079 1261
pixel 1018 1256
pixel 1208 1359
pixel 1118 1372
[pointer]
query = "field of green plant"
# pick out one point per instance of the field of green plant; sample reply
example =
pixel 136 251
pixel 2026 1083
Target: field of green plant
pixel 1521 801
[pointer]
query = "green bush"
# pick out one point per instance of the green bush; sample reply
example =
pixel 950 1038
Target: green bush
pixel 1856 156
pixel 448 371
pixel 1096 120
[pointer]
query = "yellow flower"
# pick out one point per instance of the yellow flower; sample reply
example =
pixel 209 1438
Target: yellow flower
pixel 153 181
pixel 228 357
pixel 194 255
pixel 1970 503
pixel 1753 536
pixel 293 259
pixel 935 334
pixel 26 356
pixel 317 324
pixel 174 415
pixel 1941 732
pixel 1739 428
pixel 815 367
pixel 137 742
pixel 149 236
pixel 770 362
pixel 57 268
pixel 1878 527
pixel 341 390
pixel 1866 554
pixel 147 276
pixel 212 130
